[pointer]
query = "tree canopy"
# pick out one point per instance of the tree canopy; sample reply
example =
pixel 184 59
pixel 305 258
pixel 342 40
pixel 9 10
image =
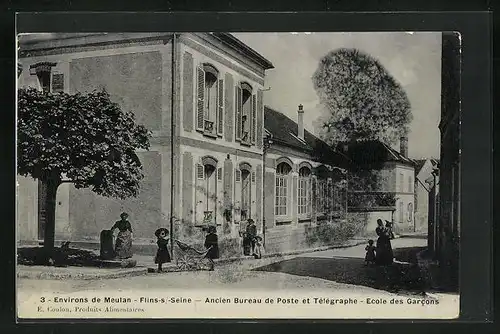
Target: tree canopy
pixel 84 138
pixel 363 101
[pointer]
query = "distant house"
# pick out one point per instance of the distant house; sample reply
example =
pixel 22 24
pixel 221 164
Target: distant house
pixel 423 187
pixel 391 197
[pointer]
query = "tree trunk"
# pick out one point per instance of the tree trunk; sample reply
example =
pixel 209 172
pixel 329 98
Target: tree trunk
pixel 50 210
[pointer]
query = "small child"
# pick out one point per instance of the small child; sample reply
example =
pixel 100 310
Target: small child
pixel 370 253
pixel 388 226
pixel 259 248
pixel 162 255
pixel 212 243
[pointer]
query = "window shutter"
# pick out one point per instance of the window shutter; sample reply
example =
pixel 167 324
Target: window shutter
pixel 200 194
pixel 253 177
pixel 200 172
pixel 254 119
pixel 219 174
pixel 237 195
pixel 200 115
pixel 220 115
pixel 57 82
pixel 238 93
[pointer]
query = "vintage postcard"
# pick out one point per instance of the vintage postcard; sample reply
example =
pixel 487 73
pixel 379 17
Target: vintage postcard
pixel 238 175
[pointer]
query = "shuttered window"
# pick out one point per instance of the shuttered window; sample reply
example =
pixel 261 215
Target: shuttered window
pixel 304 194
pixel 57 82
pixel 200 113
pixel 238 92
pixel 219 174
pixel 200 172
pixel 220 115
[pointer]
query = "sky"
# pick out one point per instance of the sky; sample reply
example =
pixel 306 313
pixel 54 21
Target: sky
pixel 413 59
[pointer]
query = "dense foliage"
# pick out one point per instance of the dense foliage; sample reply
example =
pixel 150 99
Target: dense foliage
pixel 85 138
pixel 363 101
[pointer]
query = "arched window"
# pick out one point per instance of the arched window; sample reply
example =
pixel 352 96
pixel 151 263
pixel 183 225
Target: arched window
pixel 282 185
pixel 321 190
pixel 210 100
pixel 246 113
pixel 304 194
pixel 206 191
pixel 246 191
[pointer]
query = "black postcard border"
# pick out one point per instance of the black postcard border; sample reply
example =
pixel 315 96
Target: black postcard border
pixel 476 269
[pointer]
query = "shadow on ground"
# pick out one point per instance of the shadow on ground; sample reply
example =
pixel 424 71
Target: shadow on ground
pixel 398 277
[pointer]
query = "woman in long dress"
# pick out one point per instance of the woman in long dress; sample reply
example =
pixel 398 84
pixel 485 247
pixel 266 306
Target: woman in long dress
pixel 123 244
pixel 384 254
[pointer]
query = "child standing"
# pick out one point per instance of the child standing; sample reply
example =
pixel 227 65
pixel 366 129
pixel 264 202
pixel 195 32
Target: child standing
pixel 162 255
pixel 370 253
pixel 212 243
pixel 259 248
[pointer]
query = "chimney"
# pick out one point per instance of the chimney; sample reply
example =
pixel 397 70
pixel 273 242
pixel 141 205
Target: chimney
pixel 403 146
pixel 300 122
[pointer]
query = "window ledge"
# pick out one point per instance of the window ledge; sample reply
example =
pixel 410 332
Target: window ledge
pixel 210 134
pixel 283 222
pixel 244 143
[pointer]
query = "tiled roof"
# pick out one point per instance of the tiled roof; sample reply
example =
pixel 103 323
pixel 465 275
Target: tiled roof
pixel 374 154
pixel 284 132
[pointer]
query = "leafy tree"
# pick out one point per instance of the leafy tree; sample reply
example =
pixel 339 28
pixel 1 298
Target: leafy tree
pixel 363 101
pixel 85 139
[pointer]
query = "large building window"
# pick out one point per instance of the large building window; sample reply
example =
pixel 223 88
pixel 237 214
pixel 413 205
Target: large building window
pixel 206 191
pixel 246 194
pixel 410 184
pixel 246 113
pixel 282 183
pixel 304 194
pixel 401 182
pixel 321 199
pixel 210 101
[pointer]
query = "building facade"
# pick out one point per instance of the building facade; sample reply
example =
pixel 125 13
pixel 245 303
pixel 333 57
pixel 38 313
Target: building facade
pixel 201 96
pixel 423 189
pixel 391 194
pixel 448 224
pixel 305 182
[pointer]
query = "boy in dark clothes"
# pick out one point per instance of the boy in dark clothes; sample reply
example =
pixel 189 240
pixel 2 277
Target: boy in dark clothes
pixel 162 255
pixel 211 241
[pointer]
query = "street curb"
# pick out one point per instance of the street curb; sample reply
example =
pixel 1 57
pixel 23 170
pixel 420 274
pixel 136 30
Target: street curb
pixel 47 273
pixel 296 252
pixel 50 275
pixel 414 236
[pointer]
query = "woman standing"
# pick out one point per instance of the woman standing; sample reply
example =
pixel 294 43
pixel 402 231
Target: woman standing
pixel 123 245
pixel 384 255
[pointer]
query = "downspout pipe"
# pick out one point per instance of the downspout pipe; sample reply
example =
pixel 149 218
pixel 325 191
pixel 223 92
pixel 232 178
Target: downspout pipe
pixel 172 144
